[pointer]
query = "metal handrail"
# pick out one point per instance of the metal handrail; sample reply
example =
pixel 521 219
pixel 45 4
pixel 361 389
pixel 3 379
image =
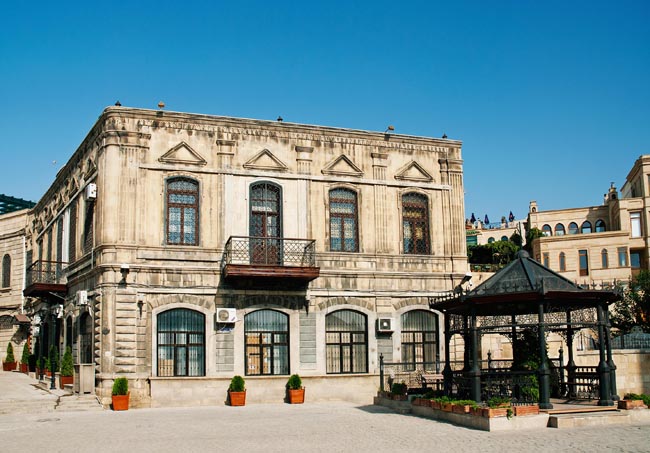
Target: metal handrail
pixel 44 271
pixel 269 251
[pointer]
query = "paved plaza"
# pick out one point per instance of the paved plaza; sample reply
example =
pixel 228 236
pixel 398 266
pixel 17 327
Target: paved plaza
pixel 311 427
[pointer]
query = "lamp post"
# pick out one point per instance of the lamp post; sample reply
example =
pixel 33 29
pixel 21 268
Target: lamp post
pixel 54 360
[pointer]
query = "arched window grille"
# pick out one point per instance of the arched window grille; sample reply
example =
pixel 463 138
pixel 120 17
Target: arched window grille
pixel 346 333
pixel 181 343
pixel 266 342
pixel 420 339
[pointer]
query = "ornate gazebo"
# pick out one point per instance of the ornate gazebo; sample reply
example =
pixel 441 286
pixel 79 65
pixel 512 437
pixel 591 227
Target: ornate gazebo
pixel 526 296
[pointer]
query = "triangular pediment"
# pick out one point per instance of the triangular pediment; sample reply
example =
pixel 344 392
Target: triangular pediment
pixel 265 160
pixel 342 166
pixel 413 172
pixel 182 154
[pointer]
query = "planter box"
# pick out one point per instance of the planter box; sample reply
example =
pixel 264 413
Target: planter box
pixel 447 407
pixel 64 380
pixel 492 412
pixel 8 366
pixel 436 405
pixel 237 398
pixel 120 402
pixel 526 410
pixel 24 368
pixel 297 396
pixel 461 408
pixel 631 404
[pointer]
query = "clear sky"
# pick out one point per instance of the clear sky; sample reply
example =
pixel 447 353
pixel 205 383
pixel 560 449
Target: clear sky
pixel 551 99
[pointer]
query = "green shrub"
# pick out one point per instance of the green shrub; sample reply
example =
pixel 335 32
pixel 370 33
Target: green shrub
pixel 237 384
pixel 67 365
pixel 498 401
pixel 471 403
pixel 47 364
pixel 25 357
pixel 120 386
pixel 634 396
pixel 294 382
pixel 54 359
pixel 10 354
pixel 398 388
pixel 42 363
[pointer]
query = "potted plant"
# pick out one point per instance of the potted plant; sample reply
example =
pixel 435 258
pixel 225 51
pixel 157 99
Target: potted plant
pixel 9 363
pixel 46 367
pixel 53 361
pixel 295 389
pixel 67 369
pixel 237 391
pixel 398 391
pixel 120 394
pixel 631 401
pixel 24 359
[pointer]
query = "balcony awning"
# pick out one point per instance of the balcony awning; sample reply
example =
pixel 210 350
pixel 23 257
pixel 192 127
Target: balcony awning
pixel 21 319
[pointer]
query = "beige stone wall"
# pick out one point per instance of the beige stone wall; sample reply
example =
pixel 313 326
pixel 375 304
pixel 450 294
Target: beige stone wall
pixel 632 368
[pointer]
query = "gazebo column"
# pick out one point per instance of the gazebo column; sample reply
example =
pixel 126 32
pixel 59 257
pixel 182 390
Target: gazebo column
pixel 610 359
pixel 543 371
pixel 475 370
pixel 603 367
pixel 447 372
pixel 571 365
pixel 466 344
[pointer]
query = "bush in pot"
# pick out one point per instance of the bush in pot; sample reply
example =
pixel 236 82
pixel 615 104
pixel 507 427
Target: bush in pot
pixel 24 359
pixel 120 394
pixel 295 389
pixel 9 363
pixel 237 391
pixel 67 368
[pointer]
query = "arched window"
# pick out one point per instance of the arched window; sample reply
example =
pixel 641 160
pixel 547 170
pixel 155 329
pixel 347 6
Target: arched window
pixel 504 238
pixel 562 262
pixel 182 211
pixel 420 339
pixel 600 226
pixel 585 228
pixel 573 228
pixel 546 229
pixel 265 223
pixel 604 258
pixel 559 230
pixel 346 334
pixel 181 343
pixel 415 223
pixel 344 229
pixel 6 271
pixel 266 342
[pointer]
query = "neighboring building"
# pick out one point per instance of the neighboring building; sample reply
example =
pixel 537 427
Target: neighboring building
pixel 13 326
pixel 598 245
pixel 180 249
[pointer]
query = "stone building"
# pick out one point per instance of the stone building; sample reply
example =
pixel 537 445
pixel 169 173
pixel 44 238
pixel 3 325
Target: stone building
pixel 598 245
pixel 182 249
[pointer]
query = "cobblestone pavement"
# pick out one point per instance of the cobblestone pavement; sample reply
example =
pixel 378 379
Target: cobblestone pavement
pixel 322 427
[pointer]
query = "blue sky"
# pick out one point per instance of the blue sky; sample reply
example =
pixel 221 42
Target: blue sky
pixel 551 99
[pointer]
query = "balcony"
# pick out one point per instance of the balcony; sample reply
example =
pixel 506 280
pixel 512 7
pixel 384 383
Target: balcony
pixel 255 262
pixel 45 278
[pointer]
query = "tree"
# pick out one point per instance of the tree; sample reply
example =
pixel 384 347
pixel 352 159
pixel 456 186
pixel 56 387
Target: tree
pixel 531 235
pixel 633 309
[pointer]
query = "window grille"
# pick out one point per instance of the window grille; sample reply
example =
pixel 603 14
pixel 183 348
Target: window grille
pixel 182 211
pixel 343 221
pixel 6 271
pixel 415 223
pixel 181 343
pixel 420 339
pixel 266 342
pixel 346 335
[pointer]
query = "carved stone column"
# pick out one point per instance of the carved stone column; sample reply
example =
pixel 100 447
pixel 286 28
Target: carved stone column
pixel 379 163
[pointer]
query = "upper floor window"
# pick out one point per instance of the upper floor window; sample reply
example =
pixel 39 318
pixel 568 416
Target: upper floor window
pixel 266 335
pixel 559 230
pixel 344 230
pixel 265 210
pixel 573 228
pixel 346 335
pixel 545 257
pixel 583 261
pixel 415 223
pixel 562 262
pixel 490 240
pixel 622 256
pixel 635 224
pixel 72 232
pixel 586 227
pixel 182 211
pixel 181 343
pixel 546 229
pixel 635 258
pixel 6 271
pixel 88 227
pixel 504 238
pixel 600 226
pixel 604 258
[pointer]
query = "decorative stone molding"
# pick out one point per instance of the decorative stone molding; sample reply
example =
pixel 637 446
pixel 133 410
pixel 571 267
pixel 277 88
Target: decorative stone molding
pixel 182 154
pixel 342 166
pixel 413 172
pixel 265 160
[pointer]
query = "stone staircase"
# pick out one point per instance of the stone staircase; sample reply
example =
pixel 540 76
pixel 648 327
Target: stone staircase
pixel 17 406
pixel 602 417
pixel 73 403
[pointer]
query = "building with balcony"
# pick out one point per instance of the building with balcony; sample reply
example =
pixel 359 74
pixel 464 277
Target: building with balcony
pixel 181 249
pixel 598 245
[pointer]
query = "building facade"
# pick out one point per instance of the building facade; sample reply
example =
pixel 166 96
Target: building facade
pixel 598 245
pixel 179 250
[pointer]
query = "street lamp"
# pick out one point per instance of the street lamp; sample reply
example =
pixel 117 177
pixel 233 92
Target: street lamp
pixel 54 360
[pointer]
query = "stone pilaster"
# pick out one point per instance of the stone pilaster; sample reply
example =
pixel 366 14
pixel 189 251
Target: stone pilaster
pixel 379 164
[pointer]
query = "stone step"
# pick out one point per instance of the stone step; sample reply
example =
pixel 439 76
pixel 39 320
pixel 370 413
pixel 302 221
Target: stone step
pixel 79 403
pixel 597 419
pixel 27 406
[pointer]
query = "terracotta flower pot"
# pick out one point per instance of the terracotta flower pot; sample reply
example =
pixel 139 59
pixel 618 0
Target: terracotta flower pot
pixel 64 380
pixel 297 396
pixel 237 398
pixel 526 410
pixel 491 412
pixel 24 367
pixel 461 408
pixel 630 404
pixel 436 405
pixel 8 366
pixel 121 402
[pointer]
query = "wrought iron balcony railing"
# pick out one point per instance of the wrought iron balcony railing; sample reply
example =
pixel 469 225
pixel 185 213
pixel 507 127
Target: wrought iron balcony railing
pixel 263 251
pixel 46 272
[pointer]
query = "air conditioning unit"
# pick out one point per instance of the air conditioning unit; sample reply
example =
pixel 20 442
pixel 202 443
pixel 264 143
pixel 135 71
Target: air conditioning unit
pixel 384 325
pixel 91 191
pixel 226 315
pixel 82 298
